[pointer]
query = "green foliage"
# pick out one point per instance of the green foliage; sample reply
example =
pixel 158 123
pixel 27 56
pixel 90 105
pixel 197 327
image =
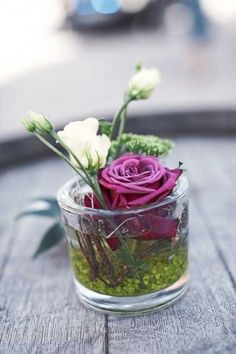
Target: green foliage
pixel 45 207
pixel 47 199
pixel 105 127
pixel 141 144
pixel 115 150
pixel 52 236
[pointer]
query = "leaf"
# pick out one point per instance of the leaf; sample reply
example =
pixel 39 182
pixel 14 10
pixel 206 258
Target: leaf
pixel 41 207
pixel 180 166
pixel 47 199
pixel 50 239
pixel 105 127
pixel 142 266
pixel 31 212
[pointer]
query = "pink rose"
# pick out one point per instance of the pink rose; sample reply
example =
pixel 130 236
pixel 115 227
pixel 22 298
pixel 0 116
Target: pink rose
pixel 135 180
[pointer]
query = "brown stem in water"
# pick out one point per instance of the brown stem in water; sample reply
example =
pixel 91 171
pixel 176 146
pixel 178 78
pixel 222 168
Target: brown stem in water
pixel 115 280
pixel 103 255
pixel 89 257
pixel 157 247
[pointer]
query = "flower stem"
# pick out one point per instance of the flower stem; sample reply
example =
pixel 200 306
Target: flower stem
pixel 124 248
pixel 122 123
pixel 88 177
pixel 98 191
pixel 117 117
pixel 91 259
pixel 57 152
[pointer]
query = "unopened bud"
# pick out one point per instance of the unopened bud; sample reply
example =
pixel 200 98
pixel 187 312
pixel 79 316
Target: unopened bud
pixel 42 125
pixel 29 125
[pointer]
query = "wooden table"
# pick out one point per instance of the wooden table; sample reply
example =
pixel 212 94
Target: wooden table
pixel 39 311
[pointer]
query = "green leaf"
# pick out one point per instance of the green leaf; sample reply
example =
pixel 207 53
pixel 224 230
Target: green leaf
pixel 41 207
pixel 141 265
pixel 105 127
pixel 51 238
pixel 47 199
pixel 49 213
pixel 180 166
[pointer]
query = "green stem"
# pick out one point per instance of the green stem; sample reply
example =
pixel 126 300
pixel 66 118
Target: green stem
pixel 89 180
pixel 118 115
pixel 98 192
pixel 122 123
pixel 57 152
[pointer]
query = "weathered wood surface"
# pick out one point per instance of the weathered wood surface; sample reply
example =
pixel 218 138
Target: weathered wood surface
pixel 39 312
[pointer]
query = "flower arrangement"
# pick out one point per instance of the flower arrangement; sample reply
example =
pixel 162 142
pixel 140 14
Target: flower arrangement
pixel 125 217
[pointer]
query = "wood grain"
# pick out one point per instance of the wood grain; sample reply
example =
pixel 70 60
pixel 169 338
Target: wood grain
pixel 217 201
pixel 39 312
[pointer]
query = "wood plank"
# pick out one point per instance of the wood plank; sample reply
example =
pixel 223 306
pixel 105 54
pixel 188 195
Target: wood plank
pixel 217 201
pixel 14 192
pixel 39 309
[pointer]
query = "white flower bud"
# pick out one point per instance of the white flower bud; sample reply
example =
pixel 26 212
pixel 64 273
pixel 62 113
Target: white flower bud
pixel 42 124
pixel 88 147
pixel 29 125
pixel 143 83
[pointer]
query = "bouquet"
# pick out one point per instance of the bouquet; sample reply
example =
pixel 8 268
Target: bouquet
pixel 125 213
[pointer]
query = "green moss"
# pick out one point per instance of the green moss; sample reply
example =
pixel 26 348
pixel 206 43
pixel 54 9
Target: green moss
pixel 163 270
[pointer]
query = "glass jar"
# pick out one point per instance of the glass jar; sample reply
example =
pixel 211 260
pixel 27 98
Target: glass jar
pixel 127 261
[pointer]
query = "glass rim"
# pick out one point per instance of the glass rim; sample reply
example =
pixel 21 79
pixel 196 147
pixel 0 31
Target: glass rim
pixel 67 203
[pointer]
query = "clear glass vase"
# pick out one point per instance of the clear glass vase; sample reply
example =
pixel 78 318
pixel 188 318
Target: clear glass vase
pixel 127 261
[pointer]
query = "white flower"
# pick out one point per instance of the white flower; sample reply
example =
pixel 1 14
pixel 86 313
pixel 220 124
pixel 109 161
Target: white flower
pixel 88 147
pixel 38 121
pixel 143 83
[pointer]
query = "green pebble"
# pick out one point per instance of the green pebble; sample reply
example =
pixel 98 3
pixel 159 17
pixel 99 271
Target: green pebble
pixel 160 273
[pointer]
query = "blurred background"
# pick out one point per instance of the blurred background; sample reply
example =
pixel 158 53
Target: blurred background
pixel 71 59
